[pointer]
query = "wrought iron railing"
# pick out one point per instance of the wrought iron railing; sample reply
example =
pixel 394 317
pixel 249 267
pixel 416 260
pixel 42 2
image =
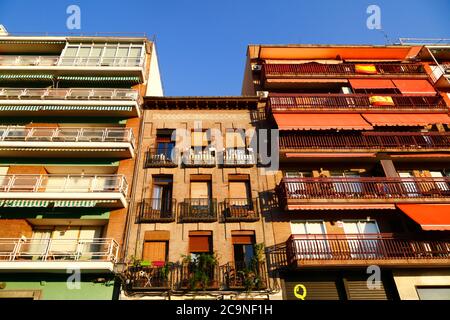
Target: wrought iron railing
pixel 240 209
pixel 198 209
pixel 158 210
pixel 148 277
pixel 239 157
pixel 161 157
pixel 244 276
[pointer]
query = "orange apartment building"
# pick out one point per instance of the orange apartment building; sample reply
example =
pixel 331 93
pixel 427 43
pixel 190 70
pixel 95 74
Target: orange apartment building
pixel 363 179
pixel 70 113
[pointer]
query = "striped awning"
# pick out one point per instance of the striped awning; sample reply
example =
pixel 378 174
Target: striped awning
pixel 26 77
pixel 65 149
pixel 24 203
pixel 65 108
pixel 99 79
pixel 80 203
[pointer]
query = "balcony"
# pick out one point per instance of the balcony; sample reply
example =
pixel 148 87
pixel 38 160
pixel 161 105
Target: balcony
pixel 55 190
pixel 365 249
pixel 440 76
pixel 53 101
pixel 366 141
pixel 184 277
pixel 66 142
pixel 96 254
pixel 161 158
pixel 342 70
pixel 198 210
pixel 79 65
pixel 194 158
pixel 295 192
pixel 239 276
pixel 354 102
pixel 147 278
pixel 157 210
pixel 239 158
pixel 240 210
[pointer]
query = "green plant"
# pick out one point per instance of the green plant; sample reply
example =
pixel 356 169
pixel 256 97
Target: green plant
pixel 200 270
pixel 251 274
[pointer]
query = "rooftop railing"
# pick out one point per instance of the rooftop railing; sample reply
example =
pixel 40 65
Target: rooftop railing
pixel 367 140
pixel 347 102
pixel 342 69
pixel 63 134
pixel 68 94
pixel 59 183
pixel 363 247
pixel 23 249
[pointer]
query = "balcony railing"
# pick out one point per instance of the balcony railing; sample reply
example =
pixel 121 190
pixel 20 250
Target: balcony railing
pixel 158 210
pixel 13 60
pixel 196 209
pixel 193 158
pixel 68 94
pixel 23 249
pixel 363 188
pixel 148 278
pixel 367 140
pixel 348 102
pixel 161 157
pixel 59 183
pixel 363 247
pixel 242 276
pixel 243 209
pixel 343 69
pixel 66 134
pixel 239 158
pixel 184 278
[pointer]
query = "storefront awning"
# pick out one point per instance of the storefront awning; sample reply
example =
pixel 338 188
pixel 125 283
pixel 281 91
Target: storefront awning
pixel 429 216
pixel 406 119
pixel 415 87
pixel 321 121
pixel 371 84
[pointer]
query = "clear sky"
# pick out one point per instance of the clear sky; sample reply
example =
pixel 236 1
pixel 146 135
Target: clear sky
pixel 202 43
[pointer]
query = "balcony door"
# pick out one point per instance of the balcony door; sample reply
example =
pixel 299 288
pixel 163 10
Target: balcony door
pixel 410 185
pixel 165 145
pixel 200 192
pixel 363 239
pixel 442 185
pixel 161 201
pixel 349 187
pixel 312 240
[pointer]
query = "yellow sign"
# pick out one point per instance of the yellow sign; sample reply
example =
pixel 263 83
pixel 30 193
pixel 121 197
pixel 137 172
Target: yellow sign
pixel 297 294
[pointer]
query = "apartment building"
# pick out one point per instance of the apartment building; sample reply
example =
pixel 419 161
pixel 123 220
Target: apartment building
pixel 363 193
pixel 198 229
pixel 70 114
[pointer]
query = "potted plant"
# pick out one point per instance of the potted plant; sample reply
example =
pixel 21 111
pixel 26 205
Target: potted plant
pixel 200 271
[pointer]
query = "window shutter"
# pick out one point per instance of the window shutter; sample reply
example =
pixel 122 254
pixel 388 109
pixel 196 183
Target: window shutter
pixel 154 251
pixel 357 290
pixel 316 290
pixel 235 139
pixel 243 237
pixel 200 241
pixel 199 139
pixel 238 189
pixel 200 190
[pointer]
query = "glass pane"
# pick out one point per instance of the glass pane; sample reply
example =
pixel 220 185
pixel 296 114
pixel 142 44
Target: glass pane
pixel 84 51
pixel 71 51
pixel 135 52
pixel 96 52
pixel 122 52
pixel 110 51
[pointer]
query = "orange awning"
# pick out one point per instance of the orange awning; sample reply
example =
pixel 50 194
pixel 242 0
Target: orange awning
pixel 405 119
pixel 371 84
pixel 415 87
pixel 340 206
pixel 320 121
pixel 429 216
pixel 330 155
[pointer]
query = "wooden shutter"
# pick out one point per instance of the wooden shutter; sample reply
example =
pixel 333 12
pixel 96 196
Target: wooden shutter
pixel 200 241
pixel 238 189
pixel 357 289
pixel 244 237
pixel 154 251
pixel 200 190
pixel 235 139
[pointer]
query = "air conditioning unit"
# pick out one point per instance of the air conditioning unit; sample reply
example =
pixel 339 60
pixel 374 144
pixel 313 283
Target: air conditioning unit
pixel 3 31
pixel 262 94
pixel 256 67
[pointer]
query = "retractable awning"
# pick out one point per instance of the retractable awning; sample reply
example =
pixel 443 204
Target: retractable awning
pixel 406 119
pixel 24 203
pixel 321 121
pixel 371 84
pixel 429 216
pixel 415 87
pixel 65 108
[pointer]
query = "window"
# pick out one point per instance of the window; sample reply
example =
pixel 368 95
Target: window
pixel 239 191
pixel 200 242
pixel 162 195
pixel 243 248
pixel 164 143
pixel 433 292
pixel 155 247
pixel 311 242
pixel 362 238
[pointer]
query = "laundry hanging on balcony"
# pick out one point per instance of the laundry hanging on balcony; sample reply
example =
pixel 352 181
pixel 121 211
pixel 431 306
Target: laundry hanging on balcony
pixel 365 69
pixel 379 101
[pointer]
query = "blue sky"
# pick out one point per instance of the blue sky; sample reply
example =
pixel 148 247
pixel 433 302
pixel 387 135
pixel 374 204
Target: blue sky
pixel 202 43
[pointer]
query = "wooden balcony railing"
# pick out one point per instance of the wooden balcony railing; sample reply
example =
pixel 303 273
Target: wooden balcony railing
pixel 348 102
pixel 342 69
pixel 148 277
pixel 363 247
pixel 158 210
pixel 244 276
pixel 198 209
pixel 367 140
pixel 165 157
pixel 384 189
pixel 242 209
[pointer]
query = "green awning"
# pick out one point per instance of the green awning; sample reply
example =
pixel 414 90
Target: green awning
pixel 99 78
pixel 24 203
pixel 80 203
pixel 26 77
pixel 65 108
